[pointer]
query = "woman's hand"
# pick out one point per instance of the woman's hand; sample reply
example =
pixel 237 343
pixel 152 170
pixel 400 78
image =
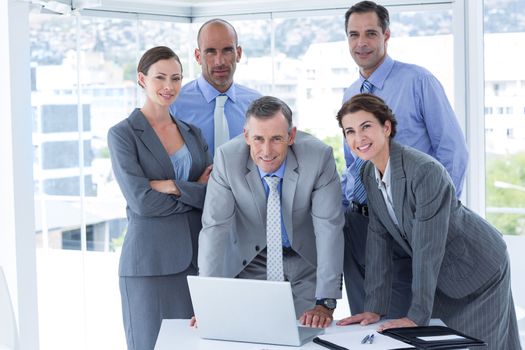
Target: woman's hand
pixel 400 322
pixel 170 187
pixel 205 176
pixel 363 319
pixel 165 186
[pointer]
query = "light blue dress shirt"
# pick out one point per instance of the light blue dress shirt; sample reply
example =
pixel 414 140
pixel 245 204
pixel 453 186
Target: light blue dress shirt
pixel 279 173
pixel 181 161
pixel 425 119
pixel 196 105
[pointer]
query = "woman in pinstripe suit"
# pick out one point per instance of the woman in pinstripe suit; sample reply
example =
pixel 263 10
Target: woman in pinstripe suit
pixel 460 265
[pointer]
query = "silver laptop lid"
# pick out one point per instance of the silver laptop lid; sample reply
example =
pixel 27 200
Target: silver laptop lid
pixel 256 311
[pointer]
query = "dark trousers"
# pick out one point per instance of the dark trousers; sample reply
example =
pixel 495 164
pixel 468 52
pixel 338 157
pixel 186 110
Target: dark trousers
pixel 355 233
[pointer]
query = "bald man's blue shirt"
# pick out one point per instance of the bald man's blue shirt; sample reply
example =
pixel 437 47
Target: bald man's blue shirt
pixel 196 104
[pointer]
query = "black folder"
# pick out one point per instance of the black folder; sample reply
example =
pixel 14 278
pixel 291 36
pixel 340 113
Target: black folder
pixel 415 336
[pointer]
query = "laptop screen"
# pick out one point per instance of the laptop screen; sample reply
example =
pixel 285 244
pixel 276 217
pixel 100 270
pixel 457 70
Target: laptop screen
pixel 256 311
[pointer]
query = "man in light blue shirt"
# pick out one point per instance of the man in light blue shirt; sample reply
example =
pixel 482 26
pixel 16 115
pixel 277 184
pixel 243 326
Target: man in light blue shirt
pixel 426 122
pixel 218 54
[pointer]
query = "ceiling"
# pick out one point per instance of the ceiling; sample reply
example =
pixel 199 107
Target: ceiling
pixel 209 8
pixel 189 9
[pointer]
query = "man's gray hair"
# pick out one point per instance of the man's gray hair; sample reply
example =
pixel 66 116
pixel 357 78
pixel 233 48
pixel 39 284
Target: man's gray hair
pixel 266 107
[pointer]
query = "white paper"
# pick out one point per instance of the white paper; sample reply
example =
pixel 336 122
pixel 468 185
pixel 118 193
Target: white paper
pixel 352 340
pixel 442 337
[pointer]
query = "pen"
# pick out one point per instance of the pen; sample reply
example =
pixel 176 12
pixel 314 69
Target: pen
pixel 365 339
pixel 371 339
pixel 328 344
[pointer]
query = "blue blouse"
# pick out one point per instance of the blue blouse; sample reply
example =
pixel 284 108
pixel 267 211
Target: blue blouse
pixel 181 161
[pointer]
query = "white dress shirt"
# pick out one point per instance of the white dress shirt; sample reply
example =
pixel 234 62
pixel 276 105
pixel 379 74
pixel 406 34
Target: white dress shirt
pixel 384 186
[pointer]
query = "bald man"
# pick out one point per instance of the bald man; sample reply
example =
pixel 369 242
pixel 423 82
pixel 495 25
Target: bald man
pixel 218 53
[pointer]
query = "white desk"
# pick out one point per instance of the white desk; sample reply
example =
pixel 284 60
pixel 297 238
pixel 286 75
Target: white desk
pixel 177 334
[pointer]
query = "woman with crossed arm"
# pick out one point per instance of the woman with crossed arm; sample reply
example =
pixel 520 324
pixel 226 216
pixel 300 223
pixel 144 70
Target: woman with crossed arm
pixel 162 166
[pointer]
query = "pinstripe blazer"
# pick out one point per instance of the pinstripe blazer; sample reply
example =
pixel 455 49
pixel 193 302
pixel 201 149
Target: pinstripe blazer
pixel 452 248
pixel 162 229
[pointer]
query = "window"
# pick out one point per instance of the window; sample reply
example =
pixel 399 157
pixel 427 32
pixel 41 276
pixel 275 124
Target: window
pixel 318 62
pixel 80 213
pixel 505 145
pixel 84 77
pixel 504 149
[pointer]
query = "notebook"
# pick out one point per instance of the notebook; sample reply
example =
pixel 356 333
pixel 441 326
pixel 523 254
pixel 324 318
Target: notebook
pixel 433 337
pixel 245 310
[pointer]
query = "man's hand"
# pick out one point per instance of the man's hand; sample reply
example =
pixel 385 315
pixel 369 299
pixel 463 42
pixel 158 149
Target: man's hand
pixel 363 319
pixel 400 322
pixel 318 317
pixel 193 322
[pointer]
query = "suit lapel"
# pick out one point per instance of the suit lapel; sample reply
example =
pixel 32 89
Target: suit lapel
pixel 253 179
pixel 376 199
pixel 288 191
pixel 149 138
pixel 398 181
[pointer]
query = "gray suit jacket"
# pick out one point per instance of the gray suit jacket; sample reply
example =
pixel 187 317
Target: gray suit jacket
pixel 162 229
pixel 234 217
pixel 452 248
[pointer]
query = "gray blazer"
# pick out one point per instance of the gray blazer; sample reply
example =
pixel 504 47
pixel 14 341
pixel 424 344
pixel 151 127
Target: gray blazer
pixel 162 229
pixel 234 217
pixel 452 248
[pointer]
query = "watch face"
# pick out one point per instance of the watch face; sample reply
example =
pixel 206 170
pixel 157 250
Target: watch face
pixel 330 303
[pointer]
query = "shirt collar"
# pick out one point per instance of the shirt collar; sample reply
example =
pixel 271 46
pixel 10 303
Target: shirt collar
pixel 378 77
pixel 209 92
pixel 386 176
pixel 279 172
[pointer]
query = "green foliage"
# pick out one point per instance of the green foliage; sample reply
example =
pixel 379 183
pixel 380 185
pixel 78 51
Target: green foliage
pixel 130 71
pixel 508 169
pixel 336 142
pixel 104 153
pixel 116 243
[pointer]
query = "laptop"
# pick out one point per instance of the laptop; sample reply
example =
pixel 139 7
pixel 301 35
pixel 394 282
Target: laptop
pixel 245 310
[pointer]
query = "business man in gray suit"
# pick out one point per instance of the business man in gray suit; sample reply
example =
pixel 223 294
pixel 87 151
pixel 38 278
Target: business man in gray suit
pixel 460 265
pixel 233 240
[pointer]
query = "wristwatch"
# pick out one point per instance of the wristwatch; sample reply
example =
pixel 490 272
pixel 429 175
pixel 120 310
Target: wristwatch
pixel 328 303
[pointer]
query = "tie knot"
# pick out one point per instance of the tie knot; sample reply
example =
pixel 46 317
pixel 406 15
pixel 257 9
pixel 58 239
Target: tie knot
pixel 272 181
pixel 367 87
pixel 220 100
